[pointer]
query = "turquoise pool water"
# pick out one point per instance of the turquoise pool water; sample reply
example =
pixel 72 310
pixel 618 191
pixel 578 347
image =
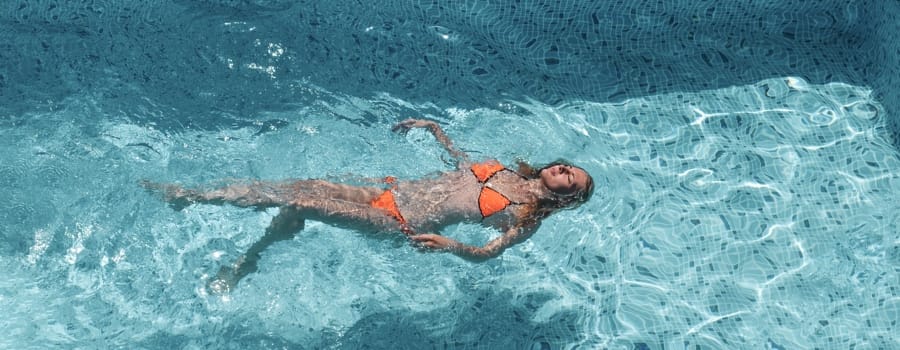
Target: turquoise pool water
pixel 753 210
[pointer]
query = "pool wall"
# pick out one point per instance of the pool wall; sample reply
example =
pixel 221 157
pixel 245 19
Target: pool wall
pixel 883 51
pixel 199 57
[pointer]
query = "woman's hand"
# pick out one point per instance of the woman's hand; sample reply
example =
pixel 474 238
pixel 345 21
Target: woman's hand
pixel 432 241
pixel 435 128
pixel 404 126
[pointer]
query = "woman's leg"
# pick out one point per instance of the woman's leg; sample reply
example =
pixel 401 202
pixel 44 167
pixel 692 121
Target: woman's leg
pixel 283 227
pixel 256 195
pixel 334 204
pixel 261 194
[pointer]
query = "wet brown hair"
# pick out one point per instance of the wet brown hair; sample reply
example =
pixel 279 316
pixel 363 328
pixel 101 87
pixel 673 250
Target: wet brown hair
pixel 546 206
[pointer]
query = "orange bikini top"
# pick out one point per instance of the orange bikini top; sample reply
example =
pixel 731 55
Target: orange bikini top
pixel 489 200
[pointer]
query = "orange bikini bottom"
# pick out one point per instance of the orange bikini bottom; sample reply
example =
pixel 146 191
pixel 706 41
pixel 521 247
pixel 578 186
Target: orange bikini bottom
pixel 386 202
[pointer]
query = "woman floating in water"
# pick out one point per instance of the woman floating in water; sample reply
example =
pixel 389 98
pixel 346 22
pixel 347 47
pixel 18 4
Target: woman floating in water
pixel 512 201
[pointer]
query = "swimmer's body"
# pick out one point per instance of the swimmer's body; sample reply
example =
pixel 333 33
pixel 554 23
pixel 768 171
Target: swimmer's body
pixel 512 201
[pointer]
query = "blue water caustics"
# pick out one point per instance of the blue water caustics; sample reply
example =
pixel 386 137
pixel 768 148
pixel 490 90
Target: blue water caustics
pixel 748 215
pixel 733 210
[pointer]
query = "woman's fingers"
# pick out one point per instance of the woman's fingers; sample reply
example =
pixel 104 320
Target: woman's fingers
pixel 400 128
pixel 423 238
pixel 404 126
pixel 427 240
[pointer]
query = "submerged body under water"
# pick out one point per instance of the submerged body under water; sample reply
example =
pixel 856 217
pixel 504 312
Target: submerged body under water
pixel 761 215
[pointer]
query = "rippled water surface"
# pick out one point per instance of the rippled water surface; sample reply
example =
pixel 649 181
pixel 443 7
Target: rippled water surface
pixel 759 214
pixel 742 203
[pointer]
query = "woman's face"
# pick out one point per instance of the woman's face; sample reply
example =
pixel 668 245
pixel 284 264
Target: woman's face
pixel 564 179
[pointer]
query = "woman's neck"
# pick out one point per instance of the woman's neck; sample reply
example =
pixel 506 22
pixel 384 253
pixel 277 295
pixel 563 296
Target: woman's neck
pixel 536 188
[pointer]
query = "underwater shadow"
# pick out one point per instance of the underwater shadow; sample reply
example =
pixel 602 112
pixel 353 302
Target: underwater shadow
pixel 486 319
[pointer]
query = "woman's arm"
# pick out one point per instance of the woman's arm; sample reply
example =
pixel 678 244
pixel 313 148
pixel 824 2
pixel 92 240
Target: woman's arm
pixel 438 133
pixel 490 250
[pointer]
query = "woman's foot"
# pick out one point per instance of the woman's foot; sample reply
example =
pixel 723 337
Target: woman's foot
pixel 228 276
pixel 177 197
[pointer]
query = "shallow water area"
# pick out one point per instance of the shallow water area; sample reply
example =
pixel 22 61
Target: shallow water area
pixel 762 214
